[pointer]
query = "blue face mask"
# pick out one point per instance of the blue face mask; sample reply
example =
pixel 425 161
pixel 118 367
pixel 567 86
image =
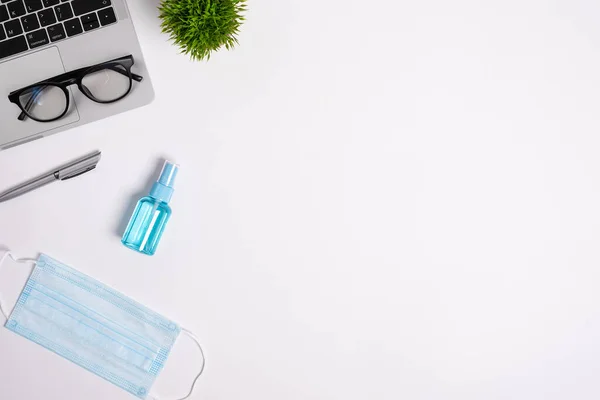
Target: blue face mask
pixel 94 326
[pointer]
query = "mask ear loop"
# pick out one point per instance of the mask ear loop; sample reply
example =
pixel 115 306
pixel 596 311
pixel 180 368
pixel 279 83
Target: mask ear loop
pixel 193 388
pixel 19 260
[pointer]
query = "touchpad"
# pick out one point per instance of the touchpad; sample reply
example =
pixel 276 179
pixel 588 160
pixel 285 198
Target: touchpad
pixel 24 71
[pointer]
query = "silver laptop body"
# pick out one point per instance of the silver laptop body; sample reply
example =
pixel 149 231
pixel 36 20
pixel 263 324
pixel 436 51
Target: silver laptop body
pixel 52 43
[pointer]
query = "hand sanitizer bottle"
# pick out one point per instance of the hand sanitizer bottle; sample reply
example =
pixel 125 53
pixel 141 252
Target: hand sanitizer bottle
pixel 151 214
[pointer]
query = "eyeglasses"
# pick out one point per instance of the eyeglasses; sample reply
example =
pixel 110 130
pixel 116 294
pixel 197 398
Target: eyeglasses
pixel 48 100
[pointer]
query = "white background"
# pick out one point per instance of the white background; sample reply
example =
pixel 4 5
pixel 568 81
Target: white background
pixel 378 200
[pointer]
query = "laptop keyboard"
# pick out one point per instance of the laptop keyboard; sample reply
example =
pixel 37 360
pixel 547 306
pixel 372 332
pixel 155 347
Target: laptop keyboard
pixel 28 24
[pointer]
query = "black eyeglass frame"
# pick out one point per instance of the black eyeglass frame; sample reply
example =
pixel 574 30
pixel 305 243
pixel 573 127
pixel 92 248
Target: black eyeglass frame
pixel 63 81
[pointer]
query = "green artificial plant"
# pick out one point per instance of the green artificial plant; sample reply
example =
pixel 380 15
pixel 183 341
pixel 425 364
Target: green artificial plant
pixel 200 27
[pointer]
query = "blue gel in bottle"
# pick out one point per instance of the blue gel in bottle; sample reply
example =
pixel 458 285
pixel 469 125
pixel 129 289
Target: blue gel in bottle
pixel 151 214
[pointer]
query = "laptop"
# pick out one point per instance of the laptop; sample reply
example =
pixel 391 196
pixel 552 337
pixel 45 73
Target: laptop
pixel 41 39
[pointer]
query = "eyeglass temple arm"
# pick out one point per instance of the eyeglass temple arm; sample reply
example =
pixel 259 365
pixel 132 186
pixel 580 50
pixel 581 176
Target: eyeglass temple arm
pixel 135 77
pixel 22 116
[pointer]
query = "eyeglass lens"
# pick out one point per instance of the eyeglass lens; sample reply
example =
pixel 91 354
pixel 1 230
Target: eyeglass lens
pixel 107 84
pixel 44 102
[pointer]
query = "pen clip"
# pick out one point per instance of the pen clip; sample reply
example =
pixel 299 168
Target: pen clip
pixel 78 167
pixel 77 173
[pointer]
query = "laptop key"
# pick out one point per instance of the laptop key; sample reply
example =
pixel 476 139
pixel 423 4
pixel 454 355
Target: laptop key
pixel 13 46
pixel 46 17
pixel 63 12
pixel 107 16
pixel 88 26
pixel 56 32
pixel 16 9
pixel 50 3
pixel 85 6
pixel 37 38
pixel 73 27
pixel 33 5
pixel 30 22
pixel 89 18
pixel 2 34
pixel 13 28
pixel 3 13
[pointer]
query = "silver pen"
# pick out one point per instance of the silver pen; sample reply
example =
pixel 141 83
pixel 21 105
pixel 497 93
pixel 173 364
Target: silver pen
pixel 61 173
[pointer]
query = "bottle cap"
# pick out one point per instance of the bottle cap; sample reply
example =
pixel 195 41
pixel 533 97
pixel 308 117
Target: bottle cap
pixel 163 188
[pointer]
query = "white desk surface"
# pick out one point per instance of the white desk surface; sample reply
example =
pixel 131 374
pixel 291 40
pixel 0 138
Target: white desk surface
pixel 397 200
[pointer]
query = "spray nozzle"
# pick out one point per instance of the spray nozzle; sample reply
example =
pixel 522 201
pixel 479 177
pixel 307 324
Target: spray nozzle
pixel 163 188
